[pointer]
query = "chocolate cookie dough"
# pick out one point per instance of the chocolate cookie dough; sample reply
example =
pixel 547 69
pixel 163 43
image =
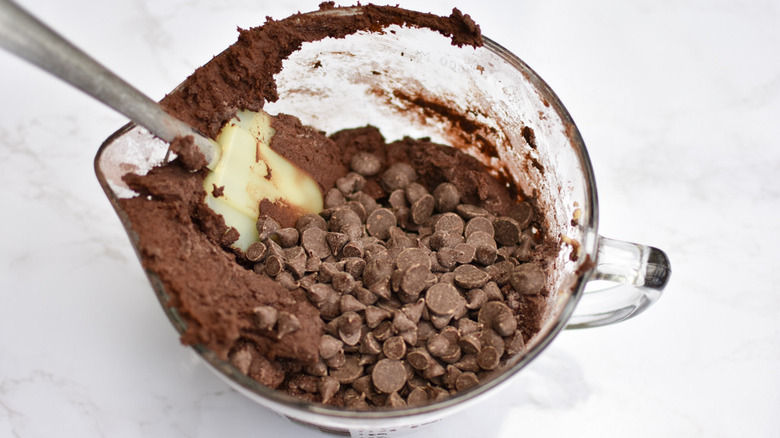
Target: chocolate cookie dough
pixel 419 279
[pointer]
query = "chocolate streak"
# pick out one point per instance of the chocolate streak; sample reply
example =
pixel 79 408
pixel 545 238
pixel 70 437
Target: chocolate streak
pixel 242 77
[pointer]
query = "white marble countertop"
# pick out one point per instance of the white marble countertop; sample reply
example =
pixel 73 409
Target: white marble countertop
pixel 678 101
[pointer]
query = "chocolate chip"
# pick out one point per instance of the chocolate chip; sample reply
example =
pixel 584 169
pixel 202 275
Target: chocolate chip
pixel 295 260
pixel 470 343
pixel 515 344
pixel 328 387
pixel 500 272
pixel 388 375
pixel 412 256
pixel 447 257
pixel 507 231
pixel 449 377
pixel 314 240
pixel 313 262
pixel 422 209
pixel 287 280
pixel 397 199
pixel 440 321
pixel 349 303
pixel 447 197
pixel 369 344
pixel 499 317
pixel 365 296
pixel 338 360
pixel 489 338
pixel 310 221
pixel 377 269
pixel 449 223
pixel 265 317
pixel 375 315
pixel 434 370
pixel 366 200
pixel 505 253
pixel 522 213
pixel 343 282
pixel 344 220
pixel 319 293
pixel 524 251
pixel 379 222
pixel 241 359
pixel 479 223
pixel 286 324
pixel 481 238
pixel 414 311
pixel 266 226
pixel 274 264
pixel 488 358
pixel 403 215
pixel 415 191
pixel 349 324
pixel 355 266
pixel 468 211
pixel 394 348
pixel 485 254
pixel 350 183
pixel 528 278
pixel 336 241
pixel 492 291
pixel 470 277
pixel 365 164
pixel 331 308
pixel 419 359
pixel 416 397
pixel 476 299
pixel 381 288
pixel 402 322
pixel 442 345
pixel 414 279
pixel 467 326
pixel 443 299
pixel 409 336
pixel 286 237
pixel 334 198
pixel 465 253
pixel 384 331
pixel 319 368
pixel 326 272
pixel 468 362
pixel 359 209
pixel 397 244
pixel 349 372
pixel 395 401
pixel 256 252
pixel 397 176
pixel 352 249
pixel 441 240
pixel 466 381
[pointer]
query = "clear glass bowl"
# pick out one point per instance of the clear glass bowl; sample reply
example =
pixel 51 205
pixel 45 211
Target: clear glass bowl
pixel 485 101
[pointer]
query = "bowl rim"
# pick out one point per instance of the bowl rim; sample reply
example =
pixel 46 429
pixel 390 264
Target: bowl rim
pixel 290 405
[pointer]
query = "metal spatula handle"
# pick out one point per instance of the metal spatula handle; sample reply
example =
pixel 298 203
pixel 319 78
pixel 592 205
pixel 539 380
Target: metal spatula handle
pixel 30 39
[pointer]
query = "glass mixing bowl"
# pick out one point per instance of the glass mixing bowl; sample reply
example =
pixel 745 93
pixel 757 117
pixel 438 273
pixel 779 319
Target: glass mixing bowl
pixel 485 101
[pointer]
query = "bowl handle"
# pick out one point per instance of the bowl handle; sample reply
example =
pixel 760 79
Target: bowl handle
pixel 627 279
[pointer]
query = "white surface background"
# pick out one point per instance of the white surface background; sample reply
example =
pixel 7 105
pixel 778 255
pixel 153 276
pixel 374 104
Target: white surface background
pixel 678 101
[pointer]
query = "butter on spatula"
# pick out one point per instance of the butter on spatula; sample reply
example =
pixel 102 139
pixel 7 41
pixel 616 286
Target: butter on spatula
pixel 250 171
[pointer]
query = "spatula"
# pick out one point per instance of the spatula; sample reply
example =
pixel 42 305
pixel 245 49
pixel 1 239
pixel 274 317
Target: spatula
pixel 30 39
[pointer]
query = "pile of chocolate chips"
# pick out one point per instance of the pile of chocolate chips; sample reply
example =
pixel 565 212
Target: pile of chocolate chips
pixel 420 298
